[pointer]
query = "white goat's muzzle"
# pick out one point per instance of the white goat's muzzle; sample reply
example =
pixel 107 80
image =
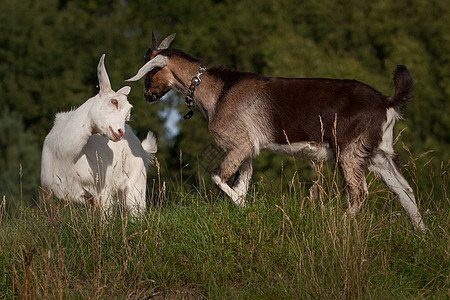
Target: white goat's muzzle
pixel 116 135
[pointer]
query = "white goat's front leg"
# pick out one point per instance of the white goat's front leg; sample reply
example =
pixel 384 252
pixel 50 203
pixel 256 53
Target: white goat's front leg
pixel 105 203
pixel 135 198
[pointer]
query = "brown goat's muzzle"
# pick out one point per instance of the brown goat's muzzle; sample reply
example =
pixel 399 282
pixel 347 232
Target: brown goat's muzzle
pixel 150 97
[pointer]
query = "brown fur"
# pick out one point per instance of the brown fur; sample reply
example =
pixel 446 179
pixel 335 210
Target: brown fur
pixel 247 112
pixel 282 110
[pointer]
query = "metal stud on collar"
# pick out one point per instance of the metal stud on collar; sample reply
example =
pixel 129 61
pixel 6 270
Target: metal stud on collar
pixel 189 101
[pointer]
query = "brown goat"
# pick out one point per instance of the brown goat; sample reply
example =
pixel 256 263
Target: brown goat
pixel 312 118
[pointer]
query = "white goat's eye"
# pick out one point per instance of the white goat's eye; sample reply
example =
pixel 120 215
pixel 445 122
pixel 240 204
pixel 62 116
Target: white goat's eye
pixel 115 103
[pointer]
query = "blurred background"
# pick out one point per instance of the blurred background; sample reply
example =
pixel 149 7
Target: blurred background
pixel 49 51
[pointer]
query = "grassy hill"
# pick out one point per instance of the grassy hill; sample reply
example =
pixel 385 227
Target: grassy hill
pixel 197 244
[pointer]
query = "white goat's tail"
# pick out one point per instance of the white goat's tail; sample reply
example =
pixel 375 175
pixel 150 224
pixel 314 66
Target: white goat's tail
pixel 149 145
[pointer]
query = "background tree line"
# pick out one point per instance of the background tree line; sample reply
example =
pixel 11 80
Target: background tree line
pixel 49 50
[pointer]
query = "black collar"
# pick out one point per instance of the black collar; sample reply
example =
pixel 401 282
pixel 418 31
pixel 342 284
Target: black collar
pixel 189 101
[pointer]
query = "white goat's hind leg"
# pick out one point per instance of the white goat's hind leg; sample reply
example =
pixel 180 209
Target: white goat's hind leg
pixel 384 166
pixel 135 201
pixel 136 206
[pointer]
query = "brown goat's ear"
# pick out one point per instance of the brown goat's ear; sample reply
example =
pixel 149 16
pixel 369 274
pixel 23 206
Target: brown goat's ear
pixel 153 46
pixel 166 42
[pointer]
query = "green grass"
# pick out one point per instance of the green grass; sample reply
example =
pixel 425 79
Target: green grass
pixel 283 245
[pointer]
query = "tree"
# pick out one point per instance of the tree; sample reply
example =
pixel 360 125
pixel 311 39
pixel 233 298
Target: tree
pixel 19 159
pixel 49 50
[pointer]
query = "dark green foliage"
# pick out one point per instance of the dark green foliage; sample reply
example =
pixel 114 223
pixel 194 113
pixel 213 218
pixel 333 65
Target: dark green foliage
pixel 193 242
pixel 49 51
pixel 364 40
pixel 19 159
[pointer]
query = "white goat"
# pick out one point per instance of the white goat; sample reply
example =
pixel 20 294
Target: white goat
pixel 91 153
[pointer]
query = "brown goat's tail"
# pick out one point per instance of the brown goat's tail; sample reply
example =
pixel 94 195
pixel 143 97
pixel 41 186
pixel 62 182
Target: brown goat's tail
pixel 404 89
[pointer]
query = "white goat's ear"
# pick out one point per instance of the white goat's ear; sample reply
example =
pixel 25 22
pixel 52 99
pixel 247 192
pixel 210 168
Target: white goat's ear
pixel 103 79
pixel 166 42
pixel 158 61
pixel 124 91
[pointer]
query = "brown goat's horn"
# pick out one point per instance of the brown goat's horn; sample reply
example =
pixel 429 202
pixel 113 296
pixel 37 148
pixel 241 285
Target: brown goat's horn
pixel 158 61
pixel 166 42
pixel 154 45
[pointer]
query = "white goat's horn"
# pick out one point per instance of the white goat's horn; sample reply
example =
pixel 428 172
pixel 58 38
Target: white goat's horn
pixel 102 75
pixel 158 61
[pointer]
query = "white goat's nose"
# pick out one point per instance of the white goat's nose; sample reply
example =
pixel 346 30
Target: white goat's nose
pixel 116 134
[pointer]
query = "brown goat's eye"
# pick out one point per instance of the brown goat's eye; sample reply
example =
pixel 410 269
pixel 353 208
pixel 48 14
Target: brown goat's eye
pixel 115 103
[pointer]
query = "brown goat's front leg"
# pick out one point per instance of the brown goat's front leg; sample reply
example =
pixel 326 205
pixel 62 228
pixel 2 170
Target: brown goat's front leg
pixel 243 177
pixel 233 160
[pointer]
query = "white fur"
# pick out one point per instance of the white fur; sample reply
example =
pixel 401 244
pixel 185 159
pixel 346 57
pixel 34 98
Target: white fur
pixel 237 198
pixel 91 153
pixel 304 150
pixel 387 141
pixel 383 165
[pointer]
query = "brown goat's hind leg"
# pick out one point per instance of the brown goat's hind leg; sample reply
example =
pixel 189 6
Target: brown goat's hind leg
pixel 357 193
pixel 383 165
pixel 233 160
pixel 352 166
